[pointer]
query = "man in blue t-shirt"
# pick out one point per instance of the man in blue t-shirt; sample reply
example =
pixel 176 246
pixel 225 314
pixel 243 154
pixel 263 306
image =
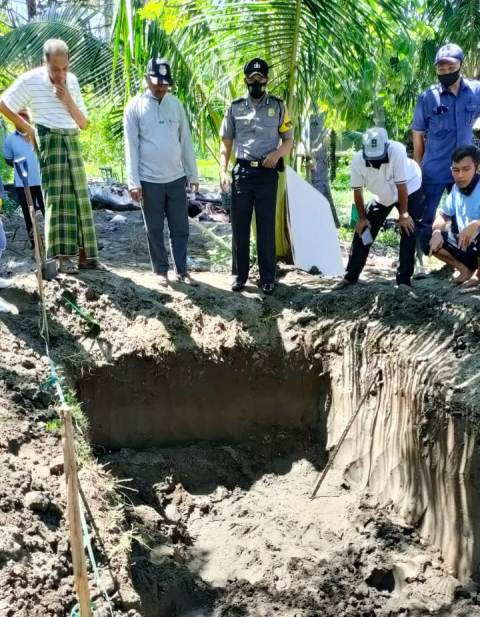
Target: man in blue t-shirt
pixel 16 146
pixel 462 207
pixel 5 307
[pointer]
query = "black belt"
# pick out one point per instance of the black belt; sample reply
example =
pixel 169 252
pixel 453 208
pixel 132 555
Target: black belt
pixel 259 163
pixel 247 163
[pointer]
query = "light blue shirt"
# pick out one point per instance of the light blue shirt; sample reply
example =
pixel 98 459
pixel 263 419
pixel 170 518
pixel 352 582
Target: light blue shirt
pixel 14 147
pixel 158 143
pixel 465 208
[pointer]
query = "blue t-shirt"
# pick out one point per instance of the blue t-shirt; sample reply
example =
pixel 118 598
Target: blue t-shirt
pixel 447 122
pixel 14 147
pixel 465 208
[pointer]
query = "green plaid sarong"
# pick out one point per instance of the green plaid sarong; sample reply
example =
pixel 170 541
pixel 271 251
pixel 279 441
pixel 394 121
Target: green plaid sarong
pixel 68 213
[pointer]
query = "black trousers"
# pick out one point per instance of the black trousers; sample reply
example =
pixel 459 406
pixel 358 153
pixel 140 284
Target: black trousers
pixel 469 257
pixel 160 201
pixel 253 188
pixel 376 214
pixel 37 199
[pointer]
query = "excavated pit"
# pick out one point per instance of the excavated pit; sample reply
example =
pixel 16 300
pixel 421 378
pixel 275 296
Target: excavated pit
pixel 139 403
pixel 202 438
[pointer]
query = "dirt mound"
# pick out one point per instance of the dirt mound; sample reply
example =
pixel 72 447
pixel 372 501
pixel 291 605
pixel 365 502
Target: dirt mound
pixel 228 528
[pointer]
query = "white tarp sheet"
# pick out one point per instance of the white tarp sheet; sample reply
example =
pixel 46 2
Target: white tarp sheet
pixel 312 229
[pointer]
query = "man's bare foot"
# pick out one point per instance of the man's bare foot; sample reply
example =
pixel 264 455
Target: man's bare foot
pixel 472 282
pixel 463 276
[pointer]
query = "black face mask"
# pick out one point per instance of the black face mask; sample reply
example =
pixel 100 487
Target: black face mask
pixel 468 190
pixel 377 164
pixel 448 79
pixel 256 90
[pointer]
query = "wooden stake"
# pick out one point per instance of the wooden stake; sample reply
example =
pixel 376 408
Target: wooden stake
pixel 73 510
pixel 344 434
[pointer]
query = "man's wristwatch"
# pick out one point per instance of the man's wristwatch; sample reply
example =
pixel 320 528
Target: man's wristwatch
pixel 405 215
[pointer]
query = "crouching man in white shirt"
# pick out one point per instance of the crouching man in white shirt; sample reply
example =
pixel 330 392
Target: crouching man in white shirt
pixel 382 167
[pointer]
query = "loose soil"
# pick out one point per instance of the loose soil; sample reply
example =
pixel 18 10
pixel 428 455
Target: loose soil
pixel 223 528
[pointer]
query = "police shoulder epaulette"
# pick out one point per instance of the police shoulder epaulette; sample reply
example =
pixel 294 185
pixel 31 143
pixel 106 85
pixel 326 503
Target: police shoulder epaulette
pixel 239 100
pixel 275 98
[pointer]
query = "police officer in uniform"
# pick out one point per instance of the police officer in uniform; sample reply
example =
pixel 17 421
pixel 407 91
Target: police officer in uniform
pixel 259 125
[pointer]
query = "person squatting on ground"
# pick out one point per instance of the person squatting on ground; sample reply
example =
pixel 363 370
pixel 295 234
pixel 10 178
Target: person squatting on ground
pixel 53 96
pixel 259 125
pixel 443 121
pixel 382 167
pixel 160 162
pixel 16 146
pixel 455 237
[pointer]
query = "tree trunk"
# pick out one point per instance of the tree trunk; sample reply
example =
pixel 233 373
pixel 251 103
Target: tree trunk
pixel 320 152
pixel 31 9
pixel 379 115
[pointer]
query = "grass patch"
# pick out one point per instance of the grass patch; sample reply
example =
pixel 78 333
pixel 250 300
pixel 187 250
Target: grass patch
pixel 208 170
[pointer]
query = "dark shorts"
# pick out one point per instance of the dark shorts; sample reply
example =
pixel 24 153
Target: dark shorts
pixel 468 258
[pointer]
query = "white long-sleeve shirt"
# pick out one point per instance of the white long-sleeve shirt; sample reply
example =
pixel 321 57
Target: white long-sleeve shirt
pixel 158 143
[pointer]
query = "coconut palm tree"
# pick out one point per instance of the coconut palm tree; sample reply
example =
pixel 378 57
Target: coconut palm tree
pixel 315 47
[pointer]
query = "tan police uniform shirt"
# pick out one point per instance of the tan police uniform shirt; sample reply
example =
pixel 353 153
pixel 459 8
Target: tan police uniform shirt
pixel 256 128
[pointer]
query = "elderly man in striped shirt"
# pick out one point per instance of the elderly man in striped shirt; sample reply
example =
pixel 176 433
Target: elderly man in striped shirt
pixel 53 96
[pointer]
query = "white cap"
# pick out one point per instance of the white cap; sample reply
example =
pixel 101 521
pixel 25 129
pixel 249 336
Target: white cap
pixel 375 144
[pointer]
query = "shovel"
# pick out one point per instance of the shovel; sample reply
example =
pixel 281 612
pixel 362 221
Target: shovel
pixel 48 268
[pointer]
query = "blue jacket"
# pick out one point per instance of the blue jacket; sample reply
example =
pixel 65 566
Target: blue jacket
pixel 447 121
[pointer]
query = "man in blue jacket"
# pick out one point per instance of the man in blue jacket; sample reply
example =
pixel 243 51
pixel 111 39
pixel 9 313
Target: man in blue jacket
pixel 443 121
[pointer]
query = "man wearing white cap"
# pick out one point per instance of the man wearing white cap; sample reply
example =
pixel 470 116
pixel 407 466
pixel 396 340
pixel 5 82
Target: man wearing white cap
pixel 383 168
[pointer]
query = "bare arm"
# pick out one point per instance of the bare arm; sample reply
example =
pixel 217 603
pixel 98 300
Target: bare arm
pixel 402 198
pixel 285 147
pixel 418 145
pixel 439 224
pixel 363 222
pixel 272 158
pixel 441 221
pixel 64 95
pixel 406 222
pixel 225 154
pixel 21 124
pixel 359 202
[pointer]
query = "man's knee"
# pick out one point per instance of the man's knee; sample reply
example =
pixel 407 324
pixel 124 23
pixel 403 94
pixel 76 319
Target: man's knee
pixel 424 237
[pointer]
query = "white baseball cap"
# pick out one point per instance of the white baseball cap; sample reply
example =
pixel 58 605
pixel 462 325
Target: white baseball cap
pixel 375 144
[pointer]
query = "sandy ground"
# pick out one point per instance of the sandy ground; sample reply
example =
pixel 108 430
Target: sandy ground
pixel 220 530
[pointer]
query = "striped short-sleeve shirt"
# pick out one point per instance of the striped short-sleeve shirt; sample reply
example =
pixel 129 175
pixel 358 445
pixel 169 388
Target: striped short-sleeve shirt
pixel 35 91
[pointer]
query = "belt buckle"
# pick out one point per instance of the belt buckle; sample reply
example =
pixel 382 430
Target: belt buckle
pixel 253 163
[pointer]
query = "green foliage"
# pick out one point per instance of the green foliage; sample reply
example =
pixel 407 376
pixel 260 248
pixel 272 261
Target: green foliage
pixel 101 145
pixel 54 425
pixel 345 234
pixel 388 237
pixel 220 258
